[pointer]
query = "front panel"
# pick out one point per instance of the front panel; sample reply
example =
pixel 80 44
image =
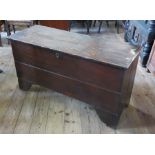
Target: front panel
pixel 101 75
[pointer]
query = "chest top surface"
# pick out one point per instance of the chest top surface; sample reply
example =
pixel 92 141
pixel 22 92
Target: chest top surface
pixel 116 53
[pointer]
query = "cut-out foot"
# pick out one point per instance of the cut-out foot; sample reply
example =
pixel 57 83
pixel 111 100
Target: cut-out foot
pixel 24 85
pixel 111 120
pixel 126 105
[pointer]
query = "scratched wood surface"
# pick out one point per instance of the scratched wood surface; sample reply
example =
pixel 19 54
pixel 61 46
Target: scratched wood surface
pixel 41 110
pixel 83 46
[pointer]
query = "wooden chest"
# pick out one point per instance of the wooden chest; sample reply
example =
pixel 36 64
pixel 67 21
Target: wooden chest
pixel 92 70
pixel 0 32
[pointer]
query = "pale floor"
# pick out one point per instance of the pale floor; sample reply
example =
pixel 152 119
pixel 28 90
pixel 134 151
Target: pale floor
pixel 41 110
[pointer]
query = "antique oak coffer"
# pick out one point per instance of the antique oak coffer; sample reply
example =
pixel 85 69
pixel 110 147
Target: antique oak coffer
pixel 97 72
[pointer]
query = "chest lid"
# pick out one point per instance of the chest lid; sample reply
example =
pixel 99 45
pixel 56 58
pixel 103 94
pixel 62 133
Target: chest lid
pixel 116 52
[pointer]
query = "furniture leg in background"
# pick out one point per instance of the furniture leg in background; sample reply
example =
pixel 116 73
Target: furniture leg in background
pixel 107 23
pixel 141 33
pixel 85 23
pixel 0 40
pixel 0 32
pixel 151 61
pixel 0 45
pixel 7 27
pixel 88 25
pixel 14 23
pixel 117 25
pixel 100 24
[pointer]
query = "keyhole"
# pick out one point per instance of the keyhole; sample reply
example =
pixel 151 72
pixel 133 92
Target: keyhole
pixel 57 55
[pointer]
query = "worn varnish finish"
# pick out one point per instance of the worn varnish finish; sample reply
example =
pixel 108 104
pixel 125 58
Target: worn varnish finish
pixel 72 64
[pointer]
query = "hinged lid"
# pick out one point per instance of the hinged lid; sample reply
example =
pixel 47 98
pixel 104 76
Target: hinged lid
pixel 116 52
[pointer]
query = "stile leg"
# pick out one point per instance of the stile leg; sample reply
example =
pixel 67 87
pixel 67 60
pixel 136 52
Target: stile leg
pixel 108 118
pixel 24 85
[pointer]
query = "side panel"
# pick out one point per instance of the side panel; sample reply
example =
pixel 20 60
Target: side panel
pixel 128 82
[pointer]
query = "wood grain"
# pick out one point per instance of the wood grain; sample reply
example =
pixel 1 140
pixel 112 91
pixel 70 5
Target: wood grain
pixel 25 117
